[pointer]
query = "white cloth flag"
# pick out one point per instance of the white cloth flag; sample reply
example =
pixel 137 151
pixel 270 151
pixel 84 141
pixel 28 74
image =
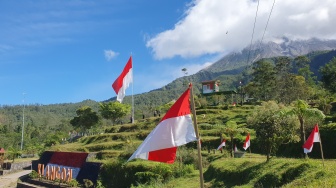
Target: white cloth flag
pixel 122 82
pixel 221 145
pixel 247 142
pixel 175 129
pixel 313 137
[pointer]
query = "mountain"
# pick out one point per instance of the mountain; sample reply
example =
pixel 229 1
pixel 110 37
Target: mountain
pixel 228 69
pixel 281 47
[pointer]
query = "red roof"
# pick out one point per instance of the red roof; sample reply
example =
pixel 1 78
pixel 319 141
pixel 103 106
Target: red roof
pixel 2 150
pixel 209 81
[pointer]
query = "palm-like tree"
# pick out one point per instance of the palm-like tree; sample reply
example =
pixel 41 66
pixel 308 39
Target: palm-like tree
pixel 302 111
pixel 232 130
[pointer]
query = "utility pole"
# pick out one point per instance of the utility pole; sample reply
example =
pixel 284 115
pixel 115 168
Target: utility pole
pixel 23 120
pixel 241 93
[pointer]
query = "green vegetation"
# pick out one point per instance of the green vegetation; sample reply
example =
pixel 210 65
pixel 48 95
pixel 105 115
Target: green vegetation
pixel 288 100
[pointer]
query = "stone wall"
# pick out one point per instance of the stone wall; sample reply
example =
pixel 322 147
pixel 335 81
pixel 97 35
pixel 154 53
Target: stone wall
pixel 14 167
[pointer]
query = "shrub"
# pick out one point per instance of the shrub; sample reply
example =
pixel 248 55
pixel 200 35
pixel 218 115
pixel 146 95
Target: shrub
pixel 87 183
pixel 73 183
pixel 145 177
pixel 33 174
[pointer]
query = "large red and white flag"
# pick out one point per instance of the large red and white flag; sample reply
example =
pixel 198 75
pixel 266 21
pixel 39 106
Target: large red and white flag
pixel 175 129
pixel 313 137
pixel 247 142
pixel 221 145
pixel 122 82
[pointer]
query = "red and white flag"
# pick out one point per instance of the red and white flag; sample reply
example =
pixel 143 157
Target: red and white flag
pixel 175 129
pixel 122 82
pixel 313 137
pixel 247 142
pixel 221 145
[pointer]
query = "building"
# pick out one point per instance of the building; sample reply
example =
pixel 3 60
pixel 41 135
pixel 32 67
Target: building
pixel 210 86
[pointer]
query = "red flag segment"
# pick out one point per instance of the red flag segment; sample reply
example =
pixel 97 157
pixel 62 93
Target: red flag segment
pixel 180 108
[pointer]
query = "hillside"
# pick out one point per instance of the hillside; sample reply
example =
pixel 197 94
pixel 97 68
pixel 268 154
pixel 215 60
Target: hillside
pixel 118 142
pixel 41 120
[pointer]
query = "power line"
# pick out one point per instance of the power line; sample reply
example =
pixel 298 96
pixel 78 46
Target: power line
pixel 269 16
pixel 255 21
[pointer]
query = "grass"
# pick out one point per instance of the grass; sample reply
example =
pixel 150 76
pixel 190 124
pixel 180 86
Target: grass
pixel 220 170
pixel 254 171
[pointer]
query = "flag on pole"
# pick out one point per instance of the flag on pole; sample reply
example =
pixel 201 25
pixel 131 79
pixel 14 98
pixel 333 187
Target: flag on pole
pixel 221 145
pixel 175 129
pixel 235 148
pixel 247 142
pixel 122 82
pixel 313 137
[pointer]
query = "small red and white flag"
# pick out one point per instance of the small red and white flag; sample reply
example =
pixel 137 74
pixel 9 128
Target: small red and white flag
pixel 221 145
pixel 122 82
pixel 247 142
pixel 235 148
pixel 313 137
pixel 175 129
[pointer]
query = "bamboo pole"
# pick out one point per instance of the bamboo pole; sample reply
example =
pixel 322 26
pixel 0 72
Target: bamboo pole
pixel 321 148
pixel 197 136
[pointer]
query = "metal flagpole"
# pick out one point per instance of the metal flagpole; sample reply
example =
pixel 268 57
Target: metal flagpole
pixel 23 120
pixel 132 90
pixel 197 136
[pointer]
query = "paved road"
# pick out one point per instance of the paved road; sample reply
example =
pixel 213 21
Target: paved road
pixel 9 180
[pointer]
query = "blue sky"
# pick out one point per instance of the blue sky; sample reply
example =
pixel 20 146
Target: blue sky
pixel 61 51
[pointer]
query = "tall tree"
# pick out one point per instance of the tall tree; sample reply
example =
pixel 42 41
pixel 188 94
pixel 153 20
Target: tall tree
pixel 263 82
pixel 283 68
pixel 86 118
pixel 329 75
pixel 273 126
pixel 302 63
pixel 114 110
pixel 302 111
pixel 232 129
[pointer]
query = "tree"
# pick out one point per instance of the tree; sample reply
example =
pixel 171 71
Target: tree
pixel 283 79
pixel 302 111
pixel 329 75
pixel 13 152
pixel 273 126
pixel 86 118
pixel 302 63
pixel 114 110
pixel 263 82
pixel 232 129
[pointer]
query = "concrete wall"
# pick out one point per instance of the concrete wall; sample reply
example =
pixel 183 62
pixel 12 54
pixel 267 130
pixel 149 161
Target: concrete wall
pixel 14 167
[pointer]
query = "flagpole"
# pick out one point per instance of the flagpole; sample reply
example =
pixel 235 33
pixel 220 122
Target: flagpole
pixel 132 90
pixel 321 148
pixel 197 136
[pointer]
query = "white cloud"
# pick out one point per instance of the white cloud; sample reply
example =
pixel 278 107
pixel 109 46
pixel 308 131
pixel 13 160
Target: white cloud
pixel 203 28
pixel 110 54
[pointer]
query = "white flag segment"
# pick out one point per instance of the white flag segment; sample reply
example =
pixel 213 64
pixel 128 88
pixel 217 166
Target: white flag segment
pixel 247 142
pixel 122 82
pixel 221 145
pixel 313 137
pixel 175 129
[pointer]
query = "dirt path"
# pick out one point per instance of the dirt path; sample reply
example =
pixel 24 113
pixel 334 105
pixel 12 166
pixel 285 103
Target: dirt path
pixel 9 180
